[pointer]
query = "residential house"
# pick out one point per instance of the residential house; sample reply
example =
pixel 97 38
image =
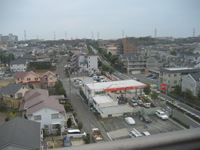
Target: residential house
pixel 48 79
pixel 18 65
pixel 27 77
pixel 40 107
pixel 191 82
pixel 21 134
pixel 14 90
pixel 173 76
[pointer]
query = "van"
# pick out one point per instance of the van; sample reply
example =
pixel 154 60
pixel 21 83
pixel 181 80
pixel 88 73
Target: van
pixel 75 133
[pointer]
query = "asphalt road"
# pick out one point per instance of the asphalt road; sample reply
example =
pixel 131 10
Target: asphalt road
pixel 84 115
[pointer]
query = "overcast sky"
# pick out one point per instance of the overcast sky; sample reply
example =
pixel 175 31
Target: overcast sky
pixel 79 18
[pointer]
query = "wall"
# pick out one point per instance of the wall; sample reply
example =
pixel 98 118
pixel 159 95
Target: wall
pixel 46 117
pixel 189 83
pixel 92 62
pixel 180 116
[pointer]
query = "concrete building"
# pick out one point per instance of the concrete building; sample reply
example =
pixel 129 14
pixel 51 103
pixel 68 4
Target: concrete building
pixel 133 63
pixel 173 76
pixel 18 65
pixel 191 82
pixel 83 62
pixel 103 96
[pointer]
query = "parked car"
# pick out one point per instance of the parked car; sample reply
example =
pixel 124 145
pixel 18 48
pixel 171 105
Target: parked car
pixel 75 133
pixel 135 133
pixel 133 102
pixel 146 133
pixel 145 118
pixel 130 120
pixel 161 114
pixel 147 105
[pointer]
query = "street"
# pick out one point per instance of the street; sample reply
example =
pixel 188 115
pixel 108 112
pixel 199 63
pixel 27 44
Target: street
pixel 84 115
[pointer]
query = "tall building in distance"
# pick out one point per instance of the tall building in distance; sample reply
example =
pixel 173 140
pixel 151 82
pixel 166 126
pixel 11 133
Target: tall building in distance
pixel 128 46
pixel 8 38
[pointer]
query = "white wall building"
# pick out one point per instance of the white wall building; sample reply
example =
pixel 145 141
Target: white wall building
pixel 92 61
pixel 191 82
pixel 18 65
pixel 40 107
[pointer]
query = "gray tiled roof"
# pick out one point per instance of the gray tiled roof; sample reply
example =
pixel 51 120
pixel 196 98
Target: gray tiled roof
pixel 18 61
pixel 10 89
pixel 20 133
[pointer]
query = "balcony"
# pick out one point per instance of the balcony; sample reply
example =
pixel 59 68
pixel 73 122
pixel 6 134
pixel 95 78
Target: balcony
pixel 178 140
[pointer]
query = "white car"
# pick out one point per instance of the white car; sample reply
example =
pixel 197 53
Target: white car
pixel 135 133
pixel 146 133
pixel 130 120
pixel 161 114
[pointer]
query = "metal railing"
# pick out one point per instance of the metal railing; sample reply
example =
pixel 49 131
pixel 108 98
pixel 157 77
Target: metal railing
pixel 177 140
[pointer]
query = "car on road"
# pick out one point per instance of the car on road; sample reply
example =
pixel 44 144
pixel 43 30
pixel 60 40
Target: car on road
pixel 161 114
pixel 135 133
pixel 75 133
pixel 130 120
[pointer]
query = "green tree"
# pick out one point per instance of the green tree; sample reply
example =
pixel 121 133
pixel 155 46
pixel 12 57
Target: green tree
pixel 147 89
pixel 80 125
pixel 198 95
pixel 87 139
pixel 188 94
pixel 69 123
pixel 154 95
pixel 59 89
pixel 177 90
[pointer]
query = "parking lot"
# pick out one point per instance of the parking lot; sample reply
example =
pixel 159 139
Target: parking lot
pixel 156 126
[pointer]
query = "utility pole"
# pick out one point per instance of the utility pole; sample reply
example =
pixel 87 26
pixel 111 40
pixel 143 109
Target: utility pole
pixel 24 35
pixel 54 36
pixel 194 32
pixel 155 33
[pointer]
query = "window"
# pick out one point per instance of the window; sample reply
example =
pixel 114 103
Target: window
pixel 36 79
pixel 54 116
pixel 28 79
pixel 37 117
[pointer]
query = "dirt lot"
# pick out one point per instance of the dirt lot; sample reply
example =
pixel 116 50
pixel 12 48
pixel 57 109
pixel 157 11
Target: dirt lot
pixel 4 83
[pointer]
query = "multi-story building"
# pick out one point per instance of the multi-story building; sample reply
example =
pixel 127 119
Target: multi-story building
pixel 18 65
pixel 173 76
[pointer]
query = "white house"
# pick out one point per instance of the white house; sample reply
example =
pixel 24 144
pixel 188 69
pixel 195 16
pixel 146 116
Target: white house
pixel 18 65
pixel 40 107
pixel 191 82
pixel 92 61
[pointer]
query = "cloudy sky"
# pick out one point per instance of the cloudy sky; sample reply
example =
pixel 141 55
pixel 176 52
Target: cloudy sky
pixel 81 18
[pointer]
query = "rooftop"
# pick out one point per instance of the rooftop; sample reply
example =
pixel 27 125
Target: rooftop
pixel 180 70
pixel 104 100
pixel 20 133
pixel 124 84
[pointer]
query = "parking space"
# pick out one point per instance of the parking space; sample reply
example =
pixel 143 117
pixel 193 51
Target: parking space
pixel 156 126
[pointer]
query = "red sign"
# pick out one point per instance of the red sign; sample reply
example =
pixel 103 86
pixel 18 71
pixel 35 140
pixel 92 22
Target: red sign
pixel 163 87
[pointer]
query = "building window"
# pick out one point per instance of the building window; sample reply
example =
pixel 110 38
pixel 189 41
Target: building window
pixel 28 79
pixel 36 79
pixel 54 116
pixel 38 117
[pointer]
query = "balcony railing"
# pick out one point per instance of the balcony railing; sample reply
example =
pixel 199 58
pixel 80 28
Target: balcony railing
pixel 177 140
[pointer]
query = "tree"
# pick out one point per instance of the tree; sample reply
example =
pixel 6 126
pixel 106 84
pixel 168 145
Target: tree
pixel 147 89
pixel 69 123
pixel 188 94
pixel 87 139
pixel 80 125
pixel 198 95
pixel 59 89
pixel 154 95
pixel 177 90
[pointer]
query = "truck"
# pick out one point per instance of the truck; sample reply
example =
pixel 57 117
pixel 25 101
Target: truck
pixel 96 135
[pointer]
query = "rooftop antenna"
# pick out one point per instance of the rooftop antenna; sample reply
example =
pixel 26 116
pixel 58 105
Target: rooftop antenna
pixel 24 35
pixel 194 32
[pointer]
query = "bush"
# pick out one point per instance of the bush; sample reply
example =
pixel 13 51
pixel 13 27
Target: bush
pixel 80 125
pixel 87 139
pixel 69 123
